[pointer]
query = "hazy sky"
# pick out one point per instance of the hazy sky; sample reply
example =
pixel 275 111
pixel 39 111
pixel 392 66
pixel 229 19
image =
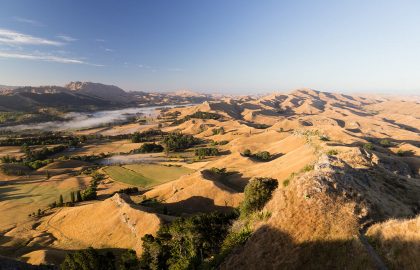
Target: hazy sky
pixel 221 46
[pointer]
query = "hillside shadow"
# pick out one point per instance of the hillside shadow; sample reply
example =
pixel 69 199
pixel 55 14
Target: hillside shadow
pixel 232 182
pixel 194 205
pixel 402 126
pixel 271 248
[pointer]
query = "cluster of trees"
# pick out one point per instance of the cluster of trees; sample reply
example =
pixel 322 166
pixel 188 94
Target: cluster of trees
pixel 186 243
pixel 206 151
pixel 146 136
pixel 89 158
pixel 91 259
pixel 90 193
pixel 177 141
pixel 34 159
pixel 198 115
pixel 129 190
pixel 43 139
pixel 149 148
pixel 38 213
pixel 262 155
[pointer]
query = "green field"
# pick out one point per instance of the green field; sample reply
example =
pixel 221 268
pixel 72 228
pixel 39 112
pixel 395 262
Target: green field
pixel 146 175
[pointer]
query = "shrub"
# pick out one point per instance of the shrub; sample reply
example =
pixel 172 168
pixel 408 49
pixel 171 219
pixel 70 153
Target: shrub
pixel 257 193
pixel 308 168
pixel 324 138
pixel 129 190
pixel 332 152
pixel 246 153
pixel 385 143
pixel 264 156
pixel 261 156
pixel 368 146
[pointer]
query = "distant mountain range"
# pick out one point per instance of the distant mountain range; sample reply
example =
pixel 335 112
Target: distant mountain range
pixel 86 96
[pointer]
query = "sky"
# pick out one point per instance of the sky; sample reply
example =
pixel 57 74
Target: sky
pixel 223 46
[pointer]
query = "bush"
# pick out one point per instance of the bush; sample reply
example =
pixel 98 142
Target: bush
pixel 264 156
pixel 261 156
pixel 247 153
pixel 385 143
pixel 332 152
pixel 257 193
pixel 324 138
pixel 368 146
pixel 129 190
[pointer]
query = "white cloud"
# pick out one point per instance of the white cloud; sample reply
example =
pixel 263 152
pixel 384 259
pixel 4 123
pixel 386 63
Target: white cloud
pixel 108 50
pixel 29 21
pixel 44 57
pixel 13 38
pixel 66 38
pixel 100 40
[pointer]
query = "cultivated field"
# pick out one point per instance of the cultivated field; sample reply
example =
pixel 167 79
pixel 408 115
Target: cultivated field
pixel 146 175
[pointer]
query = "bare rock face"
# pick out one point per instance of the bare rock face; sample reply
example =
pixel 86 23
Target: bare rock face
pixel 108 92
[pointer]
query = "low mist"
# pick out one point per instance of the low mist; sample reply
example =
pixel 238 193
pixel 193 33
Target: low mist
pixel 77 120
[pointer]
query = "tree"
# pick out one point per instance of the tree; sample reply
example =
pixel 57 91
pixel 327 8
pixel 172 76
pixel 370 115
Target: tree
pixel 78 196
pixel 72 198
pixel 88 259
pixel 61 201
pixel 257 193
pixel 47 174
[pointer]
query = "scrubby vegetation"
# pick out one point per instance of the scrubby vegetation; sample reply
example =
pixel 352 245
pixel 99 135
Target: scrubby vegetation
pixel 178 141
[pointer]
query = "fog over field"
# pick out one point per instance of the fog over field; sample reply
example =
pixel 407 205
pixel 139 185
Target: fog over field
pixel 83 120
